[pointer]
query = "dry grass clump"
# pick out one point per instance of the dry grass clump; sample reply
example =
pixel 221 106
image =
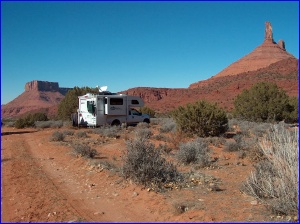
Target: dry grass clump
pixel 196 151
pixel 275 180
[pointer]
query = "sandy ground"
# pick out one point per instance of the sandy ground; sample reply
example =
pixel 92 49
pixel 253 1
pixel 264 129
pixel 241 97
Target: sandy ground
pixel 43 181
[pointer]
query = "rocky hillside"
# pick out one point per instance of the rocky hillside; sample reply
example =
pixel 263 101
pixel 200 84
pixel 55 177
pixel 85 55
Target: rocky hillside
pixel 38 96
pixel 221 90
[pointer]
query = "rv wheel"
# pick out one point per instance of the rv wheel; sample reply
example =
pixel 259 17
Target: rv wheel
pixel 74 119
pixel 147 121
pixel 116 123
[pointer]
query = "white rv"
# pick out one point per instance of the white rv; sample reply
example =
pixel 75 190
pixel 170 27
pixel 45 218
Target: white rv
pixel 108 109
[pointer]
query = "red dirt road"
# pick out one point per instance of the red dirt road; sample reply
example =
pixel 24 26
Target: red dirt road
pixel 42 181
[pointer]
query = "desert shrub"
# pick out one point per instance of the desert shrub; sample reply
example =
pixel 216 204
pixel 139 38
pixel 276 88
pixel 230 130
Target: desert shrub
pixel 201 118
pixel 30 119
pixel 10 124
pixel 68 132
pixel 160 137
pixel 215 141
pixel 155 121
pixel 263 102
pixel 260 129
pixel 195 151
pixel 232 124
pixel 147 110
pixel 164 148
pixel 42 124
pixel 142 133
pixel 57 136
pixel 81 134
pixel 231 146
pixel 57 124
pixel 48 124
pixel 20 123
pixel 108 131
pixel 275 180
pixel 145 165
pixel 245 127
pixel 105 165
pixel 167 125
pixel 85 151
pixel 142 125
pixel 292 114
pixel 37 117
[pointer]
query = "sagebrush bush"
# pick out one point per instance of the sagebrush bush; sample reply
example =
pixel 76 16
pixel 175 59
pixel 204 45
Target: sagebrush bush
pixel 167 125
pixel 231 146
pixel 275 180
pixel 68 132
pixel 85 150
pixel 9 124
pixel 142 125
pixel 142 133
pixel 201 118
pixel 196 151
pixel 48 124
pixel 81 134
pixel 160 137
pixel 216 141
pixel 108 131
pixel 144 165
pixel 57 136
pixel 164 148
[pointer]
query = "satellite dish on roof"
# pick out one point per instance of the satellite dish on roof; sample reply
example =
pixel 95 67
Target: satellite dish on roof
pixel 103 88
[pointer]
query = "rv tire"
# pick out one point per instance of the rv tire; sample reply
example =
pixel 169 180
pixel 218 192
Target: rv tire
pixel 116 123
pixel 74 118
pixel 147 121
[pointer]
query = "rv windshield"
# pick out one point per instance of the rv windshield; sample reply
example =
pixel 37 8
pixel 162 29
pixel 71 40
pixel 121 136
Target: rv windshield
pixel 135 112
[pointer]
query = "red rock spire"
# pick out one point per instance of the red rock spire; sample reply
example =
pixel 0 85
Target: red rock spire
pixel 269 32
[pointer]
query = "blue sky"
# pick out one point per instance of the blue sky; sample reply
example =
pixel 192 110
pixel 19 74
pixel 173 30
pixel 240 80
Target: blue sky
pixel 133 44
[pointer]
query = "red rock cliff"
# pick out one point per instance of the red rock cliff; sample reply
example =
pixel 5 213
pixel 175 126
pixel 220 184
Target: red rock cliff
pixel 42 86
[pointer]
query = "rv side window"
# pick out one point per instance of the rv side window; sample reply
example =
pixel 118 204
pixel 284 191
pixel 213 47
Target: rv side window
pixel 116 101
pixel 135 102
pixel 90 106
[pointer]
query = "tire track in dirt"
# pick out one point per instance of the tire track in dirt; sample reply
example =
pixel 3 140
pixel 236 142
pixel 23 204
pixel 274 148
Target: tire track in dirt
pixel 28 195
pixel 43 182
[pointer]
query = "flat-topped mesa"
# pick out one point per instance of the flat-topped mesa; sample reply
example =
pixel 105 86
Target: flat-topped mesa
pixel 36 85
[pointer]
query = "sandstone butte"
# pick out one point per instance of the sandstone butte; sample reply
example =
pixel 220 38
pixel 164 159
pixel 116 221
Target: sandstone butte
pixel 268 62
pixel 267 53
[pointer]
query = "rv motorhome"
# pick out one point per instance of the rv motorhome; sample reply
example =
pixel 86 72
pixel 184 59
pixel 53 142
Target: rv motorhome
pixel 108 109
